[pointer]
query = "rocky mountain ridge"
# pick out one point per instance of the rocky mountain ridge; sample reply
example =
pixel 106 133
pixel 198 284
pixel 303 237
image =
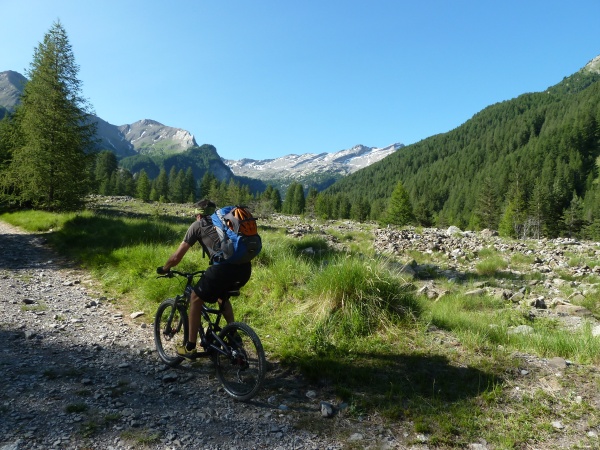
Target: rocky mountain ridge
pixel 342 163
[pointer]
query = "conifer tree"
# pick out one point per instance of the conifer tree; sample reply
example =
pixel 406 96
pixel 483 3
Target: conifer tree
pixel 323 207
pixel 506 228
pixel 269 200
pixel 154 192
pixel 189 186
pixel 244 197
pixel 343 207
pixel 538 210
pixel 514 217
pixel 309 203
pixel 297 201
pixel 216 192
pixel 106 164
pixel 50 162
pixel 233 193
pixel 276 200
pixel 399 211
pixel 572 216
pixel 423 213
pixel 288 200
pixel 162 186
pixel 360 209
pixel 126 182
pixel 143 188
pixel 8 132
pixel 486 209
pixel 177 186
pixel 207 182
pixel 174 187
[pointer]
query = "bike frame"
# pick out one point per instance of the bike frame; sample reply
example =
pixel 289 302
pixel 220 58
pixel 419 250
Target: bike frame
pixel 207 338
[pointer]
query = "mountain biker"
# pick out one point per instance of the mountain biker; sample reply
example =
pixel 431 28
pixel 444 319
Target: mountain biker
pixel 215 282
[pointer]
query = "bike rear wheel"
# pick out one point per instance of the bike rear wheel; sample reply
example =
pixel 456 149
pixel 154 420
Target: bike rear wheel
pixel 241 370
pixel 170 331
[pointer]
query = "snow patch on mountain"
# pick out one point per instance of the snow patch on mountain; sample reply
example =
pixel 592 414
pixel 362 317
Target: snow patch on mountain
pixel 343 162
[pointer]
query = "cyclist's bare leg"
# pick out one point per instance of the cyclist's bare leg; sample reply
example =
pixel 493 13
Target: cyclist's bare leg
pixel 194 316
pixel 227 310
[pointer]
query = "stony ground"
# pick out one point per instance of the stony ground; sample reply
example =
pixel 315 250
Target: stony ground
pixel 77 373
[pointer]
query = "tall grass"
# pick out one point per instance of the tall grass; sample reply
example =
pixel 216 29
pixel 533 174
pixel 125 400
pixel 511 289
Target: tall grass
pixel 357 297
pixel 32 220
pixel 491 265
pixel 486 322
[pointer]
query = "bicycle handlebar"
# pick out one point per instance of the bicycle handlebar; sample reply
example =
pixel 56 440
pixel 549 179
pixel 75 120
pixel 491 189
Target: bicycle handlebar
pixel 172 273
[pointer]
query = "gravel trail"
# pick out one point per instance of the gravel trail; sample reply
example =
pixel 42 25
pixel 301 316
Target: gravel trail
pixel 77 373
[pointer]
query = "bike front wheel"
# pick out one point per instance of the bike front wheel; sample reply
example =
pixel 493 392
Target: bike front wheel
pixel 170 331
pixel 241 363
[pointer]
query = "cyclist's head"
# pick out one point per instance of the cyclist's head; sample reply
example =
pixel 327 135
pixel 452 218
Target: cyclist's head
pixel 204 207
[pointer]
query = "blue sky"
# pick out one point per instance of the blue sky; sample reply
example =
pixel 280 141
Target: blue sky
pixel 265 78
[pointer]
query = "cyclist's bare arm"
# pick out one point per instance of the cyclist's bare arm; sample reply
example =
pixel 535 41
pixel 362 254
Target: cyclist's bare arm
pixel 176 257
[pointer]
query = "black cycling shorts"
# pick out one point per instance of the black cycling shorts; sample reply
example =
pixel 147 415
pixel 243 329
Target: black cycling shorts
pixel 220 278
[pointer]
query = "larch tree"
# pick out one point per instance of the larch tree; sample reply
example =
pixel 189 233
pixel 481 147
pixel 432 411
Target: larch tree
pixel 294 199
pixel 486 206
pixel 162 185
pixel 399 211
pixel 50 163
pixel 143 186
pixel 189 186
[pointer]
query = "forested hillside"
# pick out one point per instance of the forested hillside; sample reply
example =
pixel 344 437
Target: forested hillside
pixel 527 164
pixel 199 159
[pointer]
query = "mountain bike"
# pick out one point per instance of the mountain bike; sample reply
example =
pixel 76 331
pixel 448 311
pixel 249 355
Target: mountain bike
pixel 235 349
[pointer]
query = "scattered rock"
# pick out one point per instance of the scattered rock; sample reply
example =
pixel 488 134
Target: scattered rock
pixel 557 363
pixel 311 394
pixel 327 409
pixel 572 310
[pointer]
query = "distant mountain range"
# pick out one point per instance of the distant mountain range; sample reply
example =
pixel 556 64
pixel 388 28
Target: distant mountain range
pixel 319 170
pixel 157 141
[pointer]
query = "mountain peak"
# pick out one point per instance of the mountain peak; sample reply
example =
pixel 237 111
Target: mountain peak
pixel 148 135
